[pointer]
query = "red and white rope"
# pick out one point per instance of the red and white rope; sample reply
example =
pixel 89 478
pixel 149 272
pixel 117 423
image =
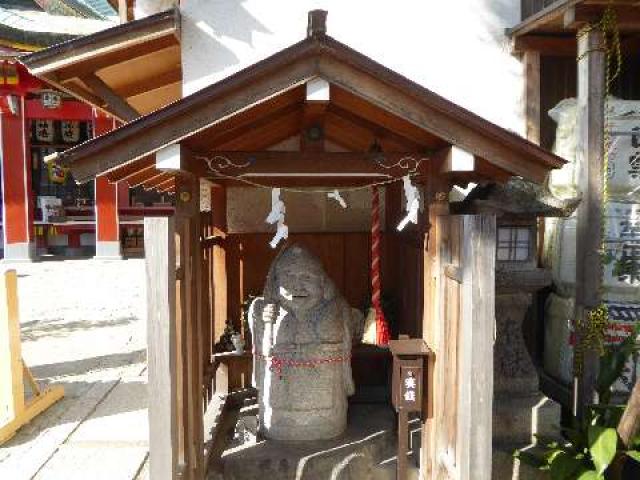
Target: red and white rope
pixel 382 327
pixel 277 364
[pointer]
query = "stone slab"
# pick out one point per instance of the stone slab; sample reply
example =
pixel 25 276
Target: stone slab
pixel 79 461
pixel 120 419
pixel 369 441
pixel 61 421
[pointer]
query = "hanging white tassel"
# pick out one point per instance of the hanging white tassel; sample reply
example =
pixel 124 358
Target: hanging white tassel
pixel 335 195
pixel 412 195
pixel 277 216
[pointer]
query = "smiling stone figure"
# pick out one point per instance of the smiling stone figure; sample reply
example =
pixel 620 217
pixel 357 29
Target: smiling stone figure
pixel 302 350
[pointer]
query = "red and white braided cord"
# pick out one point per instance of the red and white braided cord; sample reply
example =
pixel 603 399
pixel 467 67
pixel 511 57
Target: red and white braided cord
pixel 382 327
pixel 277 364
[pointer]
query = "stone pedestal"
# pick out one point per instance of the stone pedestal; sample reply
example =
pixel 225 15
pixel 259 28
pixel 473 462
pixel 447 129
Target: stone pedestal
pixel 520 409
pixel 366 451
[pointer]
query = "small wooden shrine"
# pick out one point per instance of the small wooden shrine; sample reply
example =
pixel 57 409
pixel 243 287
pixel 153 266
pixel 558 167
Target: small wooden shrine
pixel 319 117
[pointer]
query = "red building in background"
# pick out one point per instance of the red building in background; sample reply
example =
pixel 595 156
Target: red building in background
pixel 44 212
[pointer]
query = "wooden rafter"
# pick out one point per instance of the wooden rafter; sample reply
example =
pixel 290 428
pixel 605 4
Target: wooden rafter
pixel 167 183
pixel 245 123
pixel 149 85
pixel 130 169
pixel 143 176
pixel 116 103
pixel 275 131
pixel 158 180
pixel 381 132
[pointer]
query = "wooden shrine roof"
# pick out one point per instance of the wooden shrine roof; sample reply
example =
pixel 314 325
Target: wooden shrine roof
pixel 264 104
pixel 127 70
pixel 563 18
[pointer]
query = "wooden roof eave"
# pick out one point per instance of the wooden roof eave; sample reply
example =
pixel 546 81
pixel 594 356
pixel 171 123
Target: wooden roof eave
pixel 78 54
pixel 317 56
pixel 551 12
pixel 104 41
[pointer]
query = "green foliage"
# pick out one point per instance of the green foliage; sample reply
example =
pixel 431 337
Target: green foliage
pixel 603 445
pixel 612 364
pixel 592 445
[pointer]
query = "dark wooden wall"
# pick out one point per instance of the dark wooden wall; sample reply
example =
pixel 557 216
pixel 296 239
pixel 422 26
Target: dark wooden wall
pixel 347 258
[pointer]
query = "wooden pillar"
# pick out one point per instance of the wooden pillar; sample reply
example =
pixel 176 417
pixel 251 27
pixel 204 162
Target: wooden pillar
pixel 531 65
pixel 190 320
pixel 17 196
pixel 106 205
pixel 590 158
pixel 219 213
pixel 475 347
pixel 160 260
pixel 189 307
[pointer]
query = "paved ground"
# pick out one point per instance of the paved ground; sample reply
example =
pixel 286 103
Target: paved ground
pixel 83 327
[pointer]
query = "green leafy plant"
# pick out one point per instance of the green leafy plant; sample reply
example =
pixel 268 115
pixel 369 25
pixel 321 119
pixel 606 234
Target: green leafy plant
pixel 591 449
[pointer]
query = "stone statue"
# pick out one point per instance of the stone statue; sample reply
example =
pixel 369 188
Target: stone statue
pixel 302 334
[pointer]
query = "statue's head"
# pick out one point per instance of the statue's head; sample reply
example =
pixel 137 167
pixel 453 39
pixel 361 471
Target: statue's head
pixel 297 280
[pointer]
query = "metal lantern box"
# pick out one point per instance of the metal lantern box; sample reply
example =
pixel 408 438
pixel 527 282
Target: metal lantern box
pixel 412 371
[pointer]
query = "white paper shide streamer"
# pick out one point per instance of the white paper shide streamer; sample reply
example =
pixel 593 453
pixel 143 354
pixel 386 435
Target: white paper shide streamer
pixel 412 195
pixel 335 195
pixel 276 216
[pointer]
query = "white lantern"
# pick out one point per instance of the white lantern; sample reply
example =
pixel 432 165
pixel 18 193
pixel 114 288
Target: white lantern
pixel 51 99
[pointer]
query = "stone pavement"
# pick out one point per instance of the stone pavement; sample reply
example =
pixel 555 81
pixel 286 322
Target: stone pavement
pixel 83 327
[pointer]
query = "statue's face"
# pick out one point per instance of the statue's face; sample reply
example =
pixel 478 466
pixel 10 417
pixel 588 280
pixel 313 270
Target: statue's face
pixel 300 287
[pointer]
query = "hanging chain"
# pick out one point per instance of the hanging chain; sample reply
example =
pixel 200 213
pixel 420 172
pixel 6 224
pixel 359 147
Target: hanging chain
pixel 592 327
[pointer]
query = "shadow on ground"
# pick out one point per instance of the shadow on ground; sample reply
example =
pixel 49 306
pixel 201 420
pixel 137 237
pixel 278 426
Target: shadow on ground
pixel 58 327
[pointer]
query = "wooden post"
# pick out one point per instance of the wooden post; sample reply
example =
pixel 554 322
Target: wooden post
pixel 437 198
pixel 190 319
pixel 189 307
pixel 15 410
pixel 629 425
pixel 160 254
pixel 475 348
pixel 590 158
pixel 219 212
pixel 403 444
pixel 531 65
pixel 11 387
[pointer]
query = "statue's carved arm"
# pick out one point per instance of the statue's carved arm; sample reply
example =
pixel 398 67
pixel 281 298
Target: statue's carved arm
pixel 269 317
